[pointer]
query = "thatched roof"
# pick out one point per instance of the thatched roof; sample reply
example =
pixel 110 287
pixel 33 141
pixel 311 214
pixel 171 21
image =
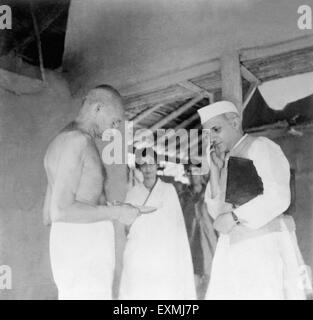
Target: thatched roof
pixel 169 99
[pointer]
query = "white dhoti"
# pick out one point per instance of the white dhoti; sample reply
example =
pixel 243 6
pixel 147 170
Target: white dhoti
pixel 157 258
pixel 265 267
pixel 82 260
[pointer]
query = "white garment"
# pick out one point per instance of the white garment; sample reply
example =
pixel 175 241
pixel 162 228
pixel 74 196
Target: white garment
pixel 157 259
pixel 82 260
pixel 263 266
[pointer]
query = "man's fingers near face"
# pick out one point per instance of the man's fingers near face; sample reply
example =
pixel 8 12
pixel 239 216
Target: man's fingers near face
pixel 224 223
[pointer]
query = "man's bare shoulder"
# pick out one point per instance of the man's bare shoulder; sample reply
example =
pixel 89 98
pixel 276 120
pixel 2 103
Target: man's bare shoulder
pixel 71 143
pixel 74 139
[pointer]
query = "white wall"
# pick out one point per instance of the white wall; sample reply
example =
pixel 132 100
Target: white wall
pixel 123 42
pixel 27 124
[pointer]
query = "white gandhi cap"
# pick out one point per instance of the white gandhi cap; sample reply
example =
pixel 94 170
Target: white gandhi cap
pixel 215 109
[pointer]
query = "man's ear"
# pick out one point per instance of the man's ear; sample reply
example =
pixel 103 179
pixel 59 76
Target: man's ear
pixel 236 123
pixel 98 107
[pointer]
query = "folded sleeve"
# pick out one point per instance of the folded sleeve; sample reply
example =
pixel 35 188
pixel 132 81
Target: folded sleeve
pixel 273 168
pixel 216 205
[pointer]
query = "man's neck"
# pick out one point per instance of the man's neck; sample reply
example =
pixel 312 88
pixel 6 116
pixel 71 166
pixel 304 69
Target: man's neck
pixel 87 129
pixel 238 141
pixel 149 183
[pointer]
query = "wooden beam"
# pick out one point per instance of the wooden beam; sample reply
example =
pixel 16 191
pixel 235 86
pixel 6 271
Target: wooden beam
pixel 248 75
pixel 193 87
pixel 282 124
pixel 182 125
pixel 145 114
pixel 50 17
pixel 187 122
pixel 249 94
pixel 282 65
pixel 281 129
pixel 231 78
pixel 177 112
pixel 162 96
pixel 276 48
pixel 173 77
pixel 190 120
pixel 38 41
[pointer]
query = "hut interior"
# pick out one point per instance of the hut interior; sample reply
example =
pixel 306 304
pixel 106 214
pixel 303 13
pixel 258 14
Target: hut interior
pixel 167 58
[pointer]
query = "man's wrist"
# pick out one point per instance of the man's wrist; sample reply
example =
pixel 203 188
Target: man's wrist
pixel 113 212
pixel 116 213
pixel 235 218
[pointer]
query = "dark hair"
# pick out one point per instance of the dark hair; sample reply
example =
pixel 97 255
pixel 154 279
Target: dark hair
pixel 142 153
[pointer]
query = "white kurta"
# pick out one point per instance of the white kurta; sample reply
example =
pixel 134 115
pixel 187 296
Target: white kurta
pixel 157 258
pixel 266 264
pixel 82 260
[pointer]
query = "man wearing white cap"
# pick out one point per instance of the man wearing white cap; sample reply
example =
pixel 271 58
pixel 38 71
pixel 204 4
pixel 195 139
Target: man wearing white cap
pixel 257 256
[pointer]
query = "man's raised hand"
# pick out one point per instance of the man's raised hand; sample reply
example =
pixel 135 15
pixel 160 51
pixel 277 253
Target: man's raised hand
pixel 224 223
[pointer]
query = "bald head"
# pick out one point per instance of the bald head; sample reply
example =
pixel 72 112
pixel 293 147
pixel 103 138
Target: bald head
pixel 102 109
pixel 109 97
pixel 108 88
pixel 105 91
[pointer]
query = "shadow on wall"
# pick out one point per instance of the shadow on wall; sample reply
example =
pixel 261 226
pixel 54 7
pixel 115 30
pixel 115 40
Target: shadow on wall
pixel 300 158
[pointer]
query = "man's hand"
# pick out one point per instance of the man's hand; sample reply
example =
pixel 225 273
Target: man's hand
pixel 218 172
pixel 224 223
pixel 217 159
pixel 127 214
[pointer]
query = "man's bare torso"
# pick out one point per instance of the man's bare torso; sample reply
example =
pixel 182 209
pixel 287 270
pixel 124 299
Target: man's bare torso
pixel 72 158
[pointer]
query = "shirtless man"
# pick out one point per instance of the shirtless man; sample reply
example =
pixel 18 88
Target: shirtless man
pixel 82 233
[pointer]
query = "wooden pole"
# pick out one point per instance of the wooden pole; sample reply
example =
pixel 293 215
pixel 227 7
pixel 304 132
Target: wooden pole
pixel 249 94
pixel 231 78
pixel 37 34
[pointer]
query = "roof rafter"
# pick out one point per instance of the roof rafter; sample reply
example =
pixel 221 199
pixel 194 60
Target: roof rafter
pixel 177 112
pixel 195 88
pixel 47 20
pixel 248 75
